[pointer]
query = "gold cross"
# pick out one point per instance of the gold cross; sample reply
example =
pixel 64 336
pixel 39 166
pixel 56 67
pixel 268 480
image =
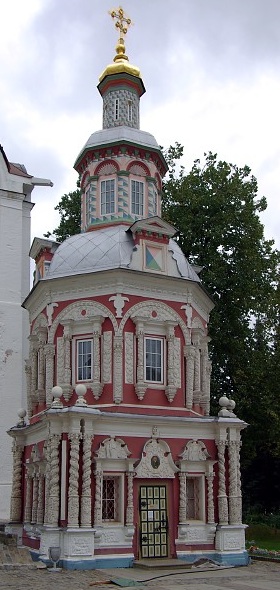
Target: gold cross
pixel 123 22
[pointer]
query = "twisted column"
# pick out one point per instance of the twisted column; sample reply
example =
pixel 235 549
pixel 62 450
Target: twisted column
pixel 129 509
pixel 34 498
pixel 97 387
pixel 73 490
pixel 118 368
pixel 170 389
pixel 52 487
pixel 86 482
pixel 15 510
pixel 210 499
pixel 235 508
pixel 183 498
pixel 222 497
pixel 140 387
pixel 40 509
pixel 28 377
pixel 49 351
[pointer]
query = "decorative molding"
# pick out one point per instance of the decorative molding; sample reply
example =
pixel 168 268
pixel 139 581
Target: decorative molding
pixel 119 303
pixel 73 490
pixel 118 369
pixel 113 448
pixel 195 450
pixel 107 357
pixel 129 357
pixel 81 312
pixel 156 461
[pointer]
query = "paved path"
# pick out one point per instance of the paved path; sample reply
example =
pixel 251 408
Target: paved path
pixel 257 576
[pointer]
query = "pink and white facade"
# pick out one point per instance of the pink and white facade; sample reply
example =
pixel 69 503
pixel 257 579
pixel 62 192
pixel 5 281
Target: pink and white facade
pixel 121 460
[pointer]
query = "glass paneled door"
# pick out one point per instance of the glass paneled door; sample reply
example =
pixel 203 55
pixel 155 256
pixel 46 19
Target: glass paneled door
pixel 153 521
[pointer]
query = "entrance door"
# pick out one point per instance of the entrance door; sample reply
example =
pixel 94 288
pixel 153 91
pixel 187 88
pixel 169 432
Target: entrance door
pixel 153 521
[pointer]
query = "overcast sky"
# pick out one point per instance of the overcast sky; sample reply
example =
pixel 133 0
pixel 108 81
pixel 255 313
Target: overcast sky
pixel 211 71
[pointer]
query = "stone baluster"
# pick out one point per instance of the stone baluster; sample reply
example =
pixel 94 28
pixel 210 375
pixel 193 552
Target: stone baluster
pixel 189 353
pixel 15 510
pixel 222 496
pixel 183 498
pixel 86 501
pixel 52 487
pixel 73 490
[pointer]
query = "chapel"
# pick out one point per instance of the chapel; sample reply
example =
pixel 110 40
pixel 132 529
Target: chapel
pixel 118 458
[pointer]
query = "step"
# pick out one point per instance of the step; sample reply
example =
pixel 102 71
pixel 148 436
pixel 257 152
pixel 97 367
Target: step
pixel 161 563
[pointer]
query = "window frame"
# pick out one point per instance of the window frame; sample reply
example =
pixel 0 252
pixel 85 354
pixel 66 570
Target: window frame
pixel 162 366
pixel 104 202
pixel 198 499
pixel 118 495
pixel 78 341
pixel 133 193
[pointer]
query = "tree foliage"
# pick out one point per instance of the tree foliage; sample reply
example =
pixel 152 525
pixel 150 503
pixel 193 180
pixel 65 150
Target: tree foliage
pixel 69 208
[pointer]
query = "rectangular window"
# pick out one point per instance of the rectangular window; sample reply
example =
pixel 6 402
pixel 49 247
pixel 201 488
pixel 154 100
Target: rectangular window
pixel 107 196
pixel 110 499
pixel 117 109
pixel 154 360
pixel 137 197
pixel 193 498
pixel 84 360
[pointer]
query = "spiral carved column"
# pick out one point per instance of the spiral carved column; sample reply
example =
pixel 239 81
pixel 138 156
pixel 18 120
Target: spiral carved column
pixel 140 387
pixel 40 510
pixel 189 353
pixel 15 512
pixel 183 498
pixel 222 496
pixel 73 490
pixel 129 510
pixel 98 498
pixel 210 499
pixel 28 498
pixel 52 495
pixel 86 482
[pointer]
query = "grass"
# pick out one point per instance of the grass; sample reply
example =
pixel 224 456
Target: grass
pixel 263 536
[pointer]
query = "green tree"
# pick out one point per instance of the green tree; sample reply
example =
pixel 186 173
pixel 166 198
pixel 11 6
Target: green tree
pixel 69 208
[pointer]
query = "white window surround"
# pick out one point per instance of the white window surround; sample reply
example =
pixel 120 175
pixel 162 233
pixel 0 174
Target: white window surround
pixel 107 196
pixel 198 499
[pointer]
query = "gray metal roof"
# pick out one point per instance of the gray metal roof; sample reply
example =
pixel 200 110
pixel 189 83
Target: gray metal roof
pixel 104 249
pixel 121 133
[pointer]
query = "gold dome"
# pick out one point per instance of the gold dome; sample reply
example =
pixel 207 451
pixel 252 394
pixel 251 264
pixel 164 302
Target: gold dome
pixel 121 64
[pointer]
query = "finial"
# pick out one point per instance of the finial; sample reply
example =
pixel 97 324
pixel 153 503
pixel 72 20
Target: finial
pixel 122 23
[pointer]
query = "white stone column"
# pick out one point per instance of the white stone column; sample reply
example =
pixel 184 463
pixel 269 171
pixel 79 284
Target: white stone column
pixel 67 338
pixel 183 498
pixel 140 386
pixel 129 509
pixel 98 497
pixel 197 368
pixel 170 389
pixel 210 499
pixel 40 510
pixel 96 334
pixel 34 344
pixel 73 490
pixel 15 510
pixel 86 501
pixel 28 497
pixel 49 351
pixel 222 496
pixel 52 487
pixel 189 353
pixel 118 369
pixel 235 500
pixel 34 498
pixel 205 397
pixel 28 376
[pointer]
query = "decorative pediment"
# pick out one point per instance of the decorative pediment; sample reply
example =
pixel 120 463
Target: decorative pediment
pixel 153 224
pixel 113 448
pixel 195 450
pixel 156 460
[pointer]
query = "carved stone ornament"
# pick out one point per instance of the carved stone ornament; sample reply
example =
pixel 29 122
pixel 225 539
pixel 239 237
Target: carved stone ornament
pixel 195 450
pixel 156 460
pixel 113 448
pixel 119 303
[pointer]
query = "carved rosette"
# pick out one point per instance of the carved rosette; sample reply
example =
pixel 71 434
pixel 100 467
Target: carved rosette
pixel 222 497
pixel 49 351
pixel 86 482
pixel 15 511
pixel 118 369
pixel 98 498
pixel 52 488
pixel 73 490
pixel 183 498
pixel 129 509
pixel 189 353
